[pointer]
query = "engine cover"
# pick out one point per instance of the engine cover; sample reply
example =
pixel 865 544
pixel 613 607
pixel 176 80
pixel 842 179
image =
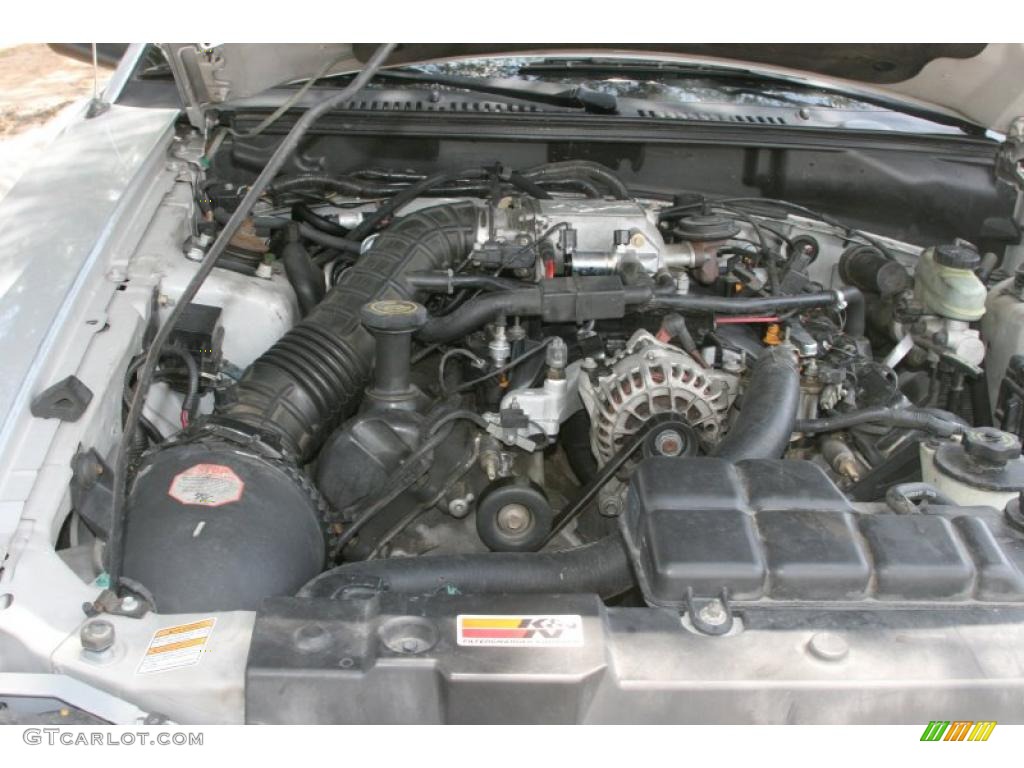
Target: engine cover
pixel 779 530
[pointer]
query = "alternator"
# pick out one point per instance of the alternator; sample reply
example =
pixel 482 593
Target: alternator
pixel 650 378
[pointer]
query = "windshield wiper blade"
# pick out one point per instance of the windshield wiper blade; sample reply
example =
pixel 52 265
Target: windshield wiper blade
pixel 576 97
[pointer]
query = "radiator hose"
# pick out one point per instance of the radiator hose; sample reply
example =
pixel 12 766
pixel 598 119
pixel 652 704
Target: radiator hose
pixel 600 567
pixel 769 411
pixel 761 431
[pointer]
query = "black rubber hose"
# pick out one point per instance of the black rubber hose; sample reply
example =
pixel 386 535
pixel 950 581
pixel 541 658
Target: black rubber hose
pixel 442 282
pixel 301 212
pixel 745 305
pixel 322 238
pixel 484 309
pixel 585 186
pixel 308 231
pixel 856 312
pixel 314 376
pixel 602 567
pixel 871 270
pixel 452 183
pixel 903 418
pixel 764 425
pixel 580 168
pixel 480 311
pixel 191 401
pixel 306 279
pixel 340 184
pixel 524 184
pixel 371 222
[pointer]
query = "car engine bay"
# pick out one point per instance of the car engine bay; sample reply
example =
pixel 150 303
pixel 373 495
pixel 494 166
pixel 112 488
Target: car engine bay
pixel 411 393
pixel 490 364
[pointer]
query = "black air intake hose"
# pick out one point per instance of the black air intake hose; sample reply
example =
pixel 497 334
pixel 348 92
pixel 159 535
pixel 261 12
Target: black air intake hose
pixel 761 431
pixel 315 374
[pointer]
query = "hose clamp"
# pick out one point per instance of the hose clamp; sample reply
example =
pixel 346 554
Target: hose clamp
pixel 245 438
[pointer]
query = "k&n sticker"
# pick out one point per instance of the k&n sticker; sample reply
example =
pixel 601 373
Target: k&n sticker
pixel 520 631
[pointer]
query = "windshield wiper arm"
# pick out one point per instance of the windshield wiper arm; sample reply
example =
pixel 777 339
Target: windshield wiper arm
pixel 542 93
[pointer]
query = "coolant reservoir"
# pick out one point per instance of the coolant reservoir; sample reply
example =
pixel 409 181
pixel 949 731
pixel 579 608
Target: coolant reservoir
pixel 945 283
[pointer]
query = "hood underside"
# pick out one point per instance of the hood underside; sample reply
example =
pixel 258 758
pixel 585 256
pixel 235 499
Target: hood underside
pixel 977 82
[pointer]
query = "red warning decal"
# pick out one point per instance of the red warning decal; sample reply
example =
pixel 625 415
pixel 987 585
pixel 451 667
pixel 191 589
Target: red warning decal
pixel 206 485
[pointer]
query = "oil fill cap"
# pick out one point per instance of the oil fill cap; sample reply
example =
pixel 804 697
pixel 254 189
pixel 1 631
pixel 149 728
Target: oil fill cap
pixel 393 316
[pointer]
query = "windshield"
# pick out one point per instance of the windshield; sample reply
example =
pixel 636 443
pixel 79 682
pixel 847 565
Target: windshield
pixel 684 86
pixel 665 85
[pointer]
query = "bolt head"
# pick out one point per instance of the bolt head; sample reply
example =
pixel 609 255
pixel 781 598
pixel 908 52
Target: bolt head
pixel 669 443
pixel 129 603
pixel 97 636
pixel 713 613
pixel 514 518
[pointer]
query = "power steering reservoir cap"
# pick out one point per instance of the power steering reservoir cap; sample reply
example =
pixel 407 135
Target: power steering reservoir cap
pixel 393 316
pixel 957 256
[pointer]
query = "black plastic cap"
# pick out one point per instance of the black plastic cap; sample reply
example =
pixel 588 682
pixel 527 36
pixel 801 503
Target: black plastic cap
pixel 957 256
pixel 989 445
pixel 393 316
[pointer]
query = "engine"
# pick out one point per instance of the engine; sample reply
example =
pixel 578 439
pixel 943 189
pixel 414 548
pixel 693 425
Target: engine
pixel 478 375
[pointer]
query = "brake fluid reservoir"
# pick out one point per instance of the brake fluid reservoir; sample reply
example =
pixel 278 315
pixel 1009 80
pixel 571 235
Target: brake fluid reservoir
pixel 945 283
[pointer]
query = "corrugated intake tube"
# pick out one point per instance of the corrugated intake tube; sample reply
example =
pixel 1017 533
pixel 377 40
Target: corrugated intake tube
pixel 314 376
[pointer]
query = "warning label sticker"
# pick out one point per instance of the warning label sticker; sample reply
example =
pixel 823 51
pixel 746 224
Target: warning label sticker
pixel 208 485
pixel 176 647
pixel 520 631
